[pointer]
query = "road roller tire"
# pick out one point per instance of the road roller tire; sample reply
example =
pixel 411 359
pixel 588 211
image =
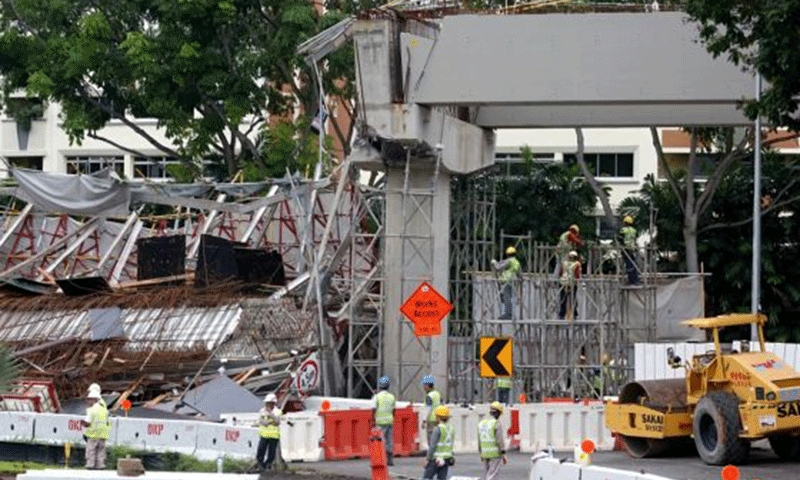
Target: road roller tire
pixel 716 427
pixel 786 447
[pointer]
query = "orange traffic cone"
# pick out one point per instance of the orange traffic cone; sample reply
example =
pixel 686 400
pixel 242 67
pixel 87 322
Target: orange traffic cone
pixel 377 455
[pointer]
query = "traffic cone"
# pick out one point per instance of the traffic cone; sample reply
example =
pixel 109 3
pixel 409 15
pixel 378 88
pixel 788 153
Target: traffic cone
pixel 377 455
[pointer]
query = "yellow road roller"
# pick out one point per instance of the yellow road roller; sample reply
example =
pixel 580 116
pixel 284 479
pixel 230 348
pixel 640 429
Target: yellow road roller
pixel 726 401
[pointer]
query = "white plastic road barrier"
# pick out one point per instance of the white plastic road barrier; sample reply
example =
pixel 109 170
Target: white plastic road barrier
pixel 341 403
pixel 62 474
pixel 57 429
pixel 422 434
pixel 553 469
pixel 16 427
pixel 158 435
pixel 561 426
pixel 300 436
pixel 249 419
pixel 233 442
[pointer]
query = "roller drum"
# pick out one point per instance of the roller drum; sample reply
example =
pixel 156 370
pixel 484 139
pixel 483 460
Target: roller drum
pixel 659 395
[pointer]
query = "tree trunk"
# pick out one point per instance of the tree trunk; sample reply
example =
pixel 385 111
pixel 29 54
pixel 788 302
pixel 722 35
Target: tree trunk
pixel 589 176
pixel 690 242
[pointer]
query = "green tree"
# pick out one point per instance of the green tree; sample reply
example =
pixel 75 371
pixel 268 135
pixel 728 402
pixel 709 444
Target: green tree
pixel 757 35
pixel 211 72
pixel 544 198
pixel 724 240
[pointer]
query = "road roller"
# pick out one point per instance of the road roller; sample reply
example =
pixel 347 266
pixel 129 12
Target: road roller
pixel 726 401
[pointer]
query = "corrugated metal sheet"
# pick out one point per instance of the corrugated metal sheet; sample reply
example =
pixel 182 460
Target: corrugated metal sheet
pixel 162 329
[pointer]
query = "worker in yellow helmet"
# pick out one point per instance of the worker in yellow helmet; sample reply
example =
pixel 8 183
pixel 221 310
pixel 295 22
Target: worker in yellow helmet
pixel 627 237
pixel 440 446
pixel 491 443
pixel 510 268
pixel 97 431
pixel 269 420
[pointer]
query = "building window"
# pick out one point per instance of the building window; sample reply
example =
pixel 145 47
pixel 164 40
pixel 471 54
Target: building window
pixel 606 165
pixel 513 164
pixel 152 167
pixel 32 163
pixel 88 165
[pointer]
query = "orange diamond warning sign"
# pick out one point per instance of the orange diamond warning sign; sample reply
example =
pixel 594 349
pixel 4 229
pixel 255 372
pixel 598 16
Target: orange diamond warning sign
pixel 426 308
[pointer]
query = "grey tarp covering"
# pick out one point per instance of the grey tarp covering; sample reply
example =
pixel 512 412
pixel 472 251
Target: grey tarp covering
pixel 98 194
pixel 241 189
pixel 678 300
pixel 170 190
pixel 220 395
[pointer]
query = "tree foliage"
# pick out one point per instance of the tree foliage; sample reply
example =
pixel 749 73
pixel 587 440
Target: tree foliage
pixel 757 35
pixel 725 240
pixel 544 199
pixel 210 71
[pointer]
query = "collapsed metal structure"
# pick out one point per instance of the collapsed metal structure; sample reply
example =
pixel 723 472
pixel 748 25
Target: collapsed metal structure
pixel 148 336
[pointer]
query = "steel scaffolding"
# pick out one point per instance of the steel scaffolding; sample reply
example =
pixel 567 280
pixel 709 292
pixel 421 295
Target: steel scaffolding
pixel 552 357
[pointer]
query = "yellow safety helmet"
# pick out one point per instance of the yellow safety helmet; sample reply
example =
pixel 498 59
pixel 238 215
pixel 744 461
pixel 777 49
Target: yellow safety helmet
pixel 575 228
pixel 496 406
pixel 442 411
pixel 511 251
pixel 627 220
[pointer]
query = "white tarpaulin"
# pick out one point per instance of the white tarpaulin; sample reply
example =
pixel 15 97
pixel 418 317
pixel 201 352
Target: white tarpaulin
pixel 679 299
pixel 98 194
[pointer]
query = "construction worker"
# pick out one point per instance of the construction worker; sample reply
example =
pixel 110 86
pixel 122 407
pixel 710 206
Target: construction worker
pixel 440 446
pixel 510 273
pixel 627 236
pixel 491 444
pixel 383 413
pixel 98 427
pixel 432 400
pixel 567 241
pixel 503 385
pixel 270 432
pixel 570 274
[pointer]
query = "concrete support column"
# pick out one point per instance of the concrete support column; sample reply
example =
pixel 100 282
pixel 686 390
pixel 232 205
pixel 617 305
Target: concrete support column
pixel 416 249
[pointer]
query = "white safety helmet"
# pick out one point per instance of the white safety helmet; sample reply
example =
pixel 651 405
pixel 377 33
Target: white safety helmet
pixel 94 388
pixel 94 394
pixel 271 398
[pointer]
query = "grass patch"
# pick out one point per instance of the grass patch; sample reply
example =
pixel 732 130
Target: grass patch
pixel 175 462
pixel 15 468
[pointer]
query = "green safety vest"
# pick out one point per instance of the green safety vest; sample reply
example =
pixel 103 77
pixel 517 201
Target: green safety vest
pixel 504 382
pixel 384 408
pixel 628 236
pixel 272 430
pixel 512 269
pixel 444 448
pixel 568 273
pixel 436 400
pixel 487 430
pixel 100 427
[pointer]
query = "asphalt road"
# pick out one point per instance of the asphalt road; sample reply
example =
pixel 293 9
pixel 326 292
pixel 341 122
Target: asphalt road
pixel 764 465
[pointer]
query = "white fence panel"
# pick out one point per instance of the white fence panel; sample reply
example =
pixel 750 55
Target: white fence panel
pixel 301 433
pixel 16 426
pixel 159 435
pixel 650 359
pixel 543 425
pixel 235 442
